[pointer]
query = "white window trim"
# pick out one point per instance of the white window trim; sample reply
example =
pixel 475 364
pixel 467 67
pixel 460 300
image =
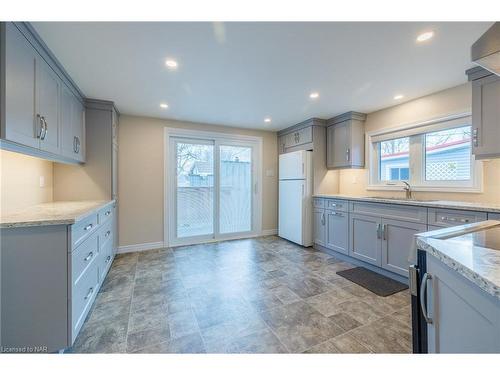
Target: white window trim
pixel 417 177
pixel 168 195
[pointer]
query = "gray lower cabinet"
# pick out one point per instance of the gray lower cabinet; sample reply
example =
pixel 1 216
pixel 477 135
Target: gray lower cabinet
pixel 397 240
pixel 337 231
pixel 319 226
pixel 464 318
pixel 364 238
pixel 50 276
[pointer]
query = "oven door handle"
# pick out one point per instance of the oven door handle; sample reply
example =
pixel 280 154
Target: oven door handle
pixel 423 297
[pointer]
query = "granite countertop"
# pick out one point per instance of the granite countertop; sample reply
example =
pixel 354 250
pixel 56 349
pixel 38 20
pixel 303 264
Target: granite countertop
pixel 53 213
pixel 473 250
pixel 457 205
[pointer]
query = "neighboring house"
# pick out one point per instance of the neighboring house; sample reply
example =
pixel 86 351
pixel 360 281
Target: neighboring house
pixel 447 161
pixel 232 173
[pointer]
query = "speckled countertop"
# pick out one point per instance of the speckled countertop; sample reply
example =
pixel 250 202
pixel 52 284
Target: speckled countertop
pixel 473 250
pixel 458 205
pixel 53 213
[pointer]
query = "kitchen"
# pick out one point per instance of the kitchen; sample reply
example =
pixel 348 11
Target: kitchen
pixel 363 223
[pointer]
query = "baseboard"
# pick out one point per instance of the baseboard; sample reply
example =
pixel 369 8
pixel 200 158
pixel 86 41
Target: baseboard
pixel 140 247
pixel 269 232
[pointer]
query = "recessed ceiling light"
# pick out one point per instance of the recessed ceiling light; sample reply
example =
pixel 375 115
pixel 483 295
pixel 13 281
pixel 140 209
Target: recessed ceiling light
pixel 397 97
pixel 425 36
pixel 171 64
pixel 164 105
pixel 314 95
pixel 267 119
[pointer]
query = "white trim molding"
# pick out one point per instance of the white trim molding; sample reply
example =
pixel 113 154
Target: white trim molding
pixel 140 247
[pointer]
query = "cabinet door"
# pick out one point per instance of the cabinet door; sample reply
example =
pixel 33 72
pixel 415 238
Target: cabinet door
pixel 337 231
pixel 21 125
pixel 338 145
pixel 78 114
pixel 281 144
pixel 304 135
pixel 365 238
pixel 397 240
pixel 486 117
pixel 319 227
pixel 67 136
pixel 48 86
pixel 465 319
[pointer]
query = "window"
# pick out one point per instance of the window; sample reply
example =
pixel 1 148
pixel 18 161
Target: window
pixel 448 155
pixel 430 156
pixel 394 161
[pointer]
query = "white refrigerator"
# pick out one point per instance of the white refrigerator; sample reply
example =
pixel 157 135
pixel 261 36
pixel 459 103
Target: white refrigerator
pixel 295 195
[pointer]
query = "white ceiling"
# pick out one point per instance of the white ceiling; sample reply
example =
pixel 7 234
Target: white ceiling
pixel 237 74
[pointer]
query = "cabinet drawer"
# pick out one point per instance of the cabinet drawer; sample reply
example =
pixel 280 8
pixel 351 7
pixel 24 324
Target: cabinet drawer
pixel 319 203
pixel 493 216
pixel 105 214
pixel 390 211
pixel 82 229
pixel 83 257
pixel 337 205
pixel 105 233
pixel 449 218
pixel 106 257
pixel 83 294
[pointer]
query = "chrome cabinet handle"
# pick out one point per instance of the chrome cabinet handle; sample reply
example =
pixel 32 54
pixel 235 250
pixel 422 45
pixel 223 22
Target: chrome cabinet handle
pixel 423 297
pixel 107 233
pixel 348 154
pixel 475 138
pixel 454 219
pixel 88 257
pixel 89 294
pixel 39 123
pixel 323 218
pixel 378 231
pixel 76 144
pixel 107 213
pixel 384 232
pixel 43 134
pixel 108 258
pixel 88 227
pixel 338 214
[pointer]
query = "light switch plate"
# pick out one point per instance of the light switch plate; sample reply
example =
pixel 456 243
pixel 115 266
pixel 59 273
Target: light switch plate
pixel 42 181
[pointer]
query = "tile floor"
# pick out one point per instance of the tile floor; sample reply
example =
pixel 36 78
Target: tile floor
pixel 261 295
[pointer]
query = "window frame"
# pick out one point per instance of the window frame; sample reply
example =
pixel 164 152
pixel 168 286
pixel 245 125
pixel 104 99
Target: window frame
pixel 417 160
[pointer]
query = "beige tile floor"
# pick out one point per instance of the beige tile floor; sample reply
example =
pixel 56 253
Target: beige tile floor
pixel 261 295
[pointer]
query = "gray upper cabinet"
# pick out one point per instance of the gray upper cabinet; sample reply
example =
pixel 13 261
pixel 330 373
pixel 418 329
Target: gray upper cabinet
pixel 19 122
pixel 48 87
pixel 72 125
pixel 345 141
pixel 300 136
pixel 397 240
pixel 485 113
pixel 43 113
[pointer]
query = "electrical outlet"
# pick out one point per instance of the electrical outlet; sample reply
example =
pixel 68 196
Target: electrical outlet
pixel 42 181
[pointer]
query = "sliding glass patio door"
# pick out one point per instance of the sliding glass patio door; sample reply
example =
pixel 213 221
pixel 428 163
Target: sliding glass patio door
pixel 213 189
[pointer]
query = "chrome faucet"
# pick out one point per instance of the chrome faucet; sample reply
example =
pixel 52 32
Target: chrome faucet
pixel 407 189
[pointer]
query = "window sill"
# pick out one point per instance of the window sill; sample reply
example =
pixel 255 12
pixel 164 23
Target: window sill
pixel 430 189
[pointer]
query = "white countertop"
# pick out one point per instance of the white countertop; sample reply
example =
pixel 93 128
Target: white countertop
pixel 480 265
pixel 53 213
pixel 457 205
